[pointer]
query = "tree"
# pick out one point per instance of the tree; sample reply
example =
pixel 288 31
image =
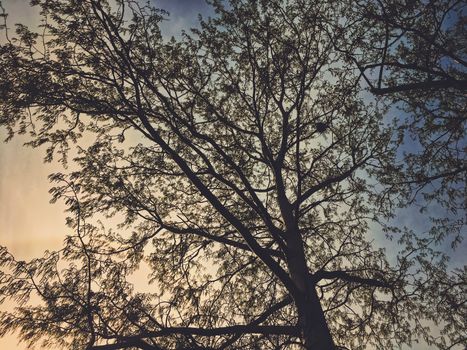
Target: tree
pixel 244 165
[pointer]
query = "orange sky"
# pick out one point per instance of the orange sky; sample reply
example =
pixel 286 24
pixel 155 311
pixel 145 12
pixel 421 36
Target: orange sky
pixel 29 224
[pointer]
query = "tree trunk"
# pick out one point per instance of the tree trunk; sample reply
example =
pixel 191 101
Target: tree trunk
pixel 314 327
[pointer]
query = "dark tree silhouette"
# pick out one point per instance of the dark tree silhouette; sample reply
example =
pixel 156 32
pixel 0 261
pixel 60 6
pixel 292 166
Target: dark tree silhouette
pixel 246 168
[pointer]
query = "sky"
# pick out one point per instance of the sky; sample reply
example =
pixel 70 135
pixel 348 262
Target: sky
pixel 29 224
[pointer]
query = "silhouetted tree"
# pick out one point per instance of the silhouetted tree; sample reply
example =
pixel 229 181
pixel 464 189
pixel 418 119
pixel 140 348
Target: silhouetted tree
pixel 243 164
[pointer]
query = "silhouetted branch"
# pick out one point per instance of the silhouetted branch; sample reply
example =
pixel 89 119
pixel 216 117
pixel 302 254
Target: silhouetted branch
pixel 320 275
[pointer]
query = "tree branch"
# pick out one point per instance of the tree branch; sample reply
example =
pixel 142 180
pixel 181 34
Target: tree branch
pixel 320 275
pixel 135 341
pixel 261 318
pixel 329 181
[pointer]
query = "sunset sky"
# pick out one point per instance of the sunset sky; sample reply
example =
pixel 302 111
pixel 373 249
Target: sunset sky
pixel 29 224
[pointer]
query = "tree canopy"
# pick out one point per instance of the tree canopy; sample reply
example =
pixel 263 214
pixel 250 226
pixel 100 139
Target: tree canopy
pixel 250 164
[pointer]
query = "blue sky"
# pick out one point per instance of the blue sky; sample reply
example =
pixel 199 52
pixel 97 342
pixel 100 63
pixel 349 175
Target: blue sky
pixel 183 14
